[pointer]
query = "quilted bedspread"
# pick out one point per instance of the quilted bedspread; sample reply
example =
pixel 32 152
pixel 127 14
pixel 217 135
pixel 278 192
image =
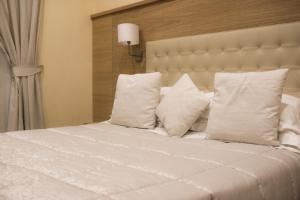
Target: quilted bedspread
pixel 109 162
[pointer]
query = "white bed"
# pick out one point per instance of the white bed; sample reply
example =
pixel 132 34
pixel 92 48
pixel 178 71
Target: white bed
pixel 104 161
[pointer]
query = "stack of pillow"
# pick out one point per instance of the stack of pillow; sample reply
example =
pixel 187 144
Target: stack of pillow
pixel 245 107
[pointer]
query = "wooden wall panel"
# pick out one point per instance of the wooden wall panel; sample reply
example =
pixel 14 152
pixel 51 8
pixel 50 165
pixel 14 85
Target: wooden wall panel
pixel 167 19
pixel 102 68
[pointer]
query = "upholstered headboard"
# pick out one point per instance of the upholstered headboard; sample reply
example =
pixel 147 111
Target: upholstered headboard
pixel 254 49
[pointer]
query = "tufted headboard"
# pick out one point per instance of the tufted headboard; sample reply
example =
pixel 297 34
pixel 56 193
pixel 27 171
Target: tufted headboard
pixel 254 49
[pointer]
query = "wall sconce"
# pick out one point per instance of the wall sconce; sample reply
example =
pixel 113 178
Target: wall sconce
pixel 128 34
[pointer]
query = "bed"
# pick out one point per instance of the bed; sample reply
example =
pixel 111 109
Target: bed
pixel 105 161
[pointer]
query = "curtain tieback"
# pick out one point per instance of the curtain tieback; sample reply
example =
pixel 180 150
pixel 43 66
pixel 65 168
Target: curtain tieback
pixel 26 70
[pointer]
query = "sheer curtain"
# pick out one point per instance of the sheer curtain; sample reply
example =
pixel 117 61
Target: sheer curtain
pixel 5 79
pixel 19 21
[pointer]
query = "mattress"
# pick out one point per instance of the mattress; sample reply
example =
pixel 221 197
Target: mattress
pixel 109 162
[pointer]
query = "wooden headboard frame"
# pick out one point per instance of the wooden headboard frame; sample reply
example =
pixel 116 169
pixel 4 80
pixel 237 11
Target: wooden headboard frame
pixel 254 49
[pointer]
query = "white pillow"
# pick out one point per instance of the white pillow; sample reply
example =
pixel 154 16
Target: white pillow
pixel 289 126
pixel 289 115
pixel 201 123
pixel 164 91
pixel 180 108
pixel 246 107
pixel 136 99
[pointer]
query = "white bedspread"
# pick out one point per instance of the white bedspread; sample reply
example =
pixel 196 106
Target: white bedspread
pixel 103 161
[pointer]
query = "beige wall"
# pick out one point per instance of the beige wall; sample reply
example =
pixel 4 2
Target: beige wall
pixel 66 53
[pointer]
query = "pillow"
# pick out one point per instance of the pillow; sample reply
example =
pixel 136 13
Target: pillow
pixel 164 91
pixel 201 123
pixel 246 107
pixel 290 115
pixel 136 99
pixel 180 108
pixel 289 126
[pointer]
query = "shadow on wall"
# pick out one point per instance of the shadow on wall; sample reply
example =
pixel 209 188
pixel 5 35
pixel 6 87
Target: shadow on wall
pixel 5 78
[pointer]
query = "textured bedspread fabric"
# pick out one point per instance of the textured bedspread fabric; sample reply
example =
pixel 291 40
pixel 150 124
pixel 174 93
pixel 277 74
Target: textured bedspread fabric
pixel 109 162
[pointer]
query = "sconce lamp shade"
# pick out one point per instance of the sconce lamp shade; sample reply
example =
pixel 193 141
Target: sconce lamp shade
pixel 128 32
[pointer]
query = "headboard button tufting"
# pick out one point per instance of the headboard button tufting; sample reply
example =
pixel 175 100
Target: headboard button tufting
pixel 254 49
